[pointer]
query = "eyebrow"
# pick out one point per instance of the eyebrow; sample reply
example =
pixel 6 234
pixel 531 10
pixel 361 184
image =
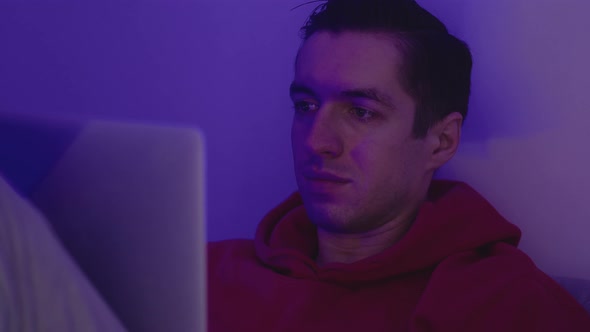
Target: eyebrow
pixel 296 88
pixel 371 94
pixel 368 93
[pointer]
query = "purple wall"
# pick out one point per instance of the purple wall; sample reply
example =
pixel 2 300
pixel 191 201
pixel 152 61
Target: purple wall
pixel 526 141
pixel 195 63
pixel 225 66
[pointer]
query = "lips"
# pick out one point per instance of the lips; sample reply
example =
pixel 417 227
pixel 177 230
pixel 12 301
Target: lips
pixel 323 176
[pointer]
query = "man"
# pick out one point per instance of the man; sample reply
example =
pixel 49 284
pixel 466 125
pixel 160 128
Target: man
pixel 369 241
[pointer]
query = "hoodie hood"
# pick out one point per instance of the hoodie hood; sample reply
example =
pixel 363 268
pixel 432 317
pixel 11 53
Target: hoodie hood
pixel 454 219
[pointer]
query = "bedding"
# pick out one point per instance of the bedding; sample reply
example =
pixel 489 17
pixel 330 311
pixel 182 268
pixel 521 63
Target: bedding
pixel 41 288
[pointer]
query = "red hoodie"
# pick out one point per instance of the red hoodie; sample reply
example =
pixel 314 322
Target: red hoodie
pixel 456 269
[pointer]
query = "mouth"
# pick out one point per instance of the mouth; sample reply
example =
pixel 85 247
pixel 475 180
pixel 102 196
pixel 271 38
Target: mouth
pixel 324 177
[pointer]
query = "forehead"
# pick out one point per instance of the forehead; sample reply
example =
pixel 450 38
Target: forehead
pixel 349 59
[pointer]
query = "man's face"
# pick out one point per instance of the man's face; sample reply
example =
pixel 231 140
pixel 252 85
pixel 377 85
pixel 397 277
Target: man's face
pixel 357 164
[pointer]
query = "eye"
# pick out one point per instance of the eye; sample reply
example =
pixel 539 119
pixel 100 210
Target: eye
pixel 304 107
pixel 362 114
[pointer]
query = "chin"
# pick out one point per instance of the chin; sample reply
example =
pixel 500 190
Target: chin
pixel 329 218
pixel 321 213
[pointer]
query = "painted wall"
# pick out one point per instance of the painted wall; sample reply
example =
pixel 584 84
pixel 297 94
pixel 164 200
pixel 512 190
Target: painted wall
pixel 526 143
pixel 225 66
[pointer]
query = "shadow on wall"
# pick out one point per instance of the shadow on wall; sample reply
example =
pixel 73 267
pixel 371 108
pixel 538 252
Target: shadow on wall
pixel 529 61
pixel 524 144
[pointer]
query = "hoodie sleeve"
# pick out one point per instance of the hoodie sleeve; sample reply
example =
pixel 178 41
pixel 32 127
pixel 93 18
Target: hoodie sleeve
pixel 504 292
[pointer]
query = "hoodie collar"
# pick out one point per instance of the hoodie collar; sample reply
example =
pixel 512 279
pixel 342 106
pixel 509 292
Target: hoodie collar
pixel 455 218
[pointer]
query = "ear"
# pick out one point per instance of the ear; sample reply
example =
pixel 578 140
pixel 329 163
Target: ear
pixel 443 140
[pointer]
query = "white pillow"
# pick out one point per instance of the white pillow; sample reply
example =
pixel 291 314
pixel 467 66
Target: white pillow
pixel 41 288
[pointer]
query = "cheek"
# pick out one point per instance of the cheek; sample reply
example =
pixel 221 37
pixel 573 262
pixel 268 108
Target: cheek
pixel 372 147
pixel 361 156
pixel 379 165
pixel 374 161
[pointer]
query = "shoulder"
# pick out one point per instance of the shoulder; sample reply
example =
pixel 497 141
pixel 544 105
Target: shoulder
pixel 498 289
pixel 224 246
pixel 228 253
pixel 235 248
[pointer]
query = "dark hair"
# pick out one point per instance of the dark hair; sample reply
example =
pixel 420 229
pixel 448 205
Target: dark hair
pixel 437 66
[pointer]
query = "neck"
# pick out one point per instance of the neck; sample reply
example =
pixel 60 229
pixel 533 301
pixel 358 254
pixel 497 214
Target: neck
pixel 349 248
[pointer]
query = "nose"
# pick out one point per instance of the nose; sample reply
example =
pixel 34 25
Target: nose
pixel 323 137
